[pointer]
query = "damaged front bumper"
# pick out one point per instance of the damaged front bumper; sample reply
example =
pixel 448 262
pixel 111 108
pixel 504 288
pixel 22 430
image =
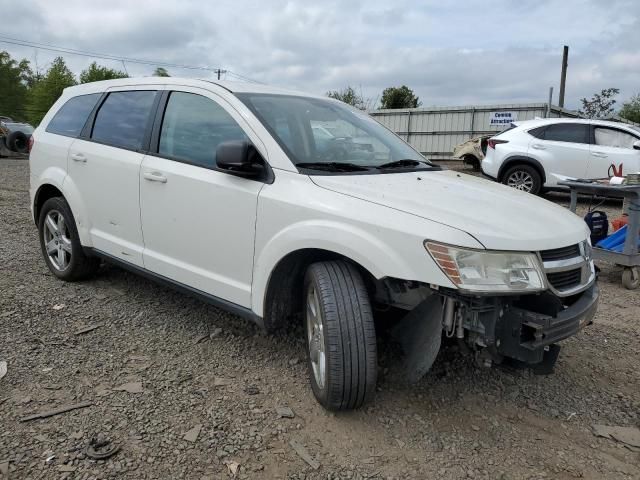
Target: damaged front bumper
pixel 523 328
pixel 526 328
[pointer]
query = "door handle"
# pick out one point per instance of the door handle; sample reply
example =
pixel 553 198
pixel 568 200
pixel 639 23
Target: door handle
pixel 154 177
pixel 78 157
pixel 537 146
pixel 599 154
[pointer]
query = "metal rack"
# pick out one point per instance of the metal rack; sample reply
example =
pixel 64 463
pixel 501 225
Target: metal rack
pixel 629 258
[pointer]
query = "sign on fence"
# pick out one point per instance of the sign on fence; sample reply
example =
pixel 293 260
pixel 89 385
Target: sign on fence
pixel 502 118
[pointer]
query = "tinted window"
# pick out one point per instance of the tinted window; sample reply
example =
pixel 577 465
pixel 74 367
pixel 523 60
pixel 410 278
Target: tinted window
pixel 122 119
pixel 72 115
pixel 538 132
pixel 611 137
pixel 567 132
pixel 192 128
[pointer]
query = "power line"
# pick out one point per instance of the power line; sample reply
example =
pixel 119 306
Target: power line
pixel 117 58
pixel 105 56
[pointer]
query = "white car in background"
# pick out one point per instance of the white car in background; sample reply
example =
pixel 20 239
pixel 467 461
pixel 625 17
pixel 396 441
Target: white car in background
pixel 538 154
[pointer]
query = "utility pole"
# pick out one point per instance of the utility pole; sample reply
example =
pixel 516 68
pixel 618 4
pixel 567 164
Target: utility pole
pixel 563 75
pixel 219 71
pixel 548 115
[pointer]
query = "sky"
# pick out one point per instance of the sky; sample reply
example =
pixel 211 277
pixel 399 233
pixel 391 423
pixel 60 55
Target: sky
pixel 449 53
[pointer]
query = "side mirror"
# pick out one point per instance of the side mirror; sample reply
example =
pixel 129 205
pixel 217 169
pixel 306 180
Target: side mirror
pixel 636 145
pixel 240 158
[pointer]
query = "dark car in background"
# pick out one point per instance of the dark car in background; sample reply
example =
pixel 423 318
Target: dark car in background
pixel 14 136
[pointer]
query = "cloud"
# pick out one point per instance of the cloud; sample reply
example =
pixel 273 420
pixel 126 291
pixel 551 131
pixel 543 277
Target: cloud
pixel 473 52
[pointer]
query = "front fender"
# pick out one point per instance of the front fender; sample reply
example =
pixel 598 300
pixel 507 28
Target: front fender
pixel 377 257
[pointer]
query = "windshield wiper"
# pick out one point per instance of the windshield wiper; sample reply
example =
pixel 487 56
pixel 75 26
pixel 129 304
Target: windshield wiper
pixel 408 163
pixel 333 166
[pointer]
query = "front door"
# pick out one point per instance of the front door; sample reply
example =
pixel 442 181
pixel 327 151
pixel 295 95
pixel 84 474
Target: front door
pixel 612 153
pixel 105 168
pixel 199 222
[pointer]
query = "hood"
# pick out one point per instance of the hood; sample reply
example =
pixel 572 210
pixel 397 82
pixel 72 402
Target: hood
pixel 499 217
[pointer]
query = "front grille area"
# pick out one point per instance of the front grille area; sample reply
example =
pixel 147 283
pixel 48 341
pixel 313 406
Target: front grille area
pixel 565 280
pixel 563 253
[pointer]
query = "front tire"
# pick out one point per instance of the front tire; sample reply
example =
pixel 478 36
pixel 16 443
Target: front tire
pixel 341 337
pixel 523 177
pixel 60 242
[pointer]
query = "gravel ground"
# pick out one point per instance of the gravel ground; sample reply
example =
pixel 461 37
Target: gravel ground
pixel 186 390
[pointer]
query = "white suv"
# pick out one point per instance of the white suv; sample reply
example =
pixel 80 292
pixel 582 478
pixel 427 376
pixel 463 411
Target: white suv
pixel 233 193
pixel 537 154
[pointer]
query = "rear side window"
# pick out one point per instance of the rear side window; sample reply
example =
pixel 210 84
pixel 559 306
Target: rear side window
pixel 72 115
pixel 192 128
pixel 567 132
pixel 538 132
pixel 122 119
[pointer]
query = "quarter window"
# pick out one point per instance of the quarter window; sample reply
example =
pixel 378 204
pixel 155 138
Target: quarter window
pixel 192 128
pixel 122 119
pixel 73 115
pixel 611 137
pixel 567 132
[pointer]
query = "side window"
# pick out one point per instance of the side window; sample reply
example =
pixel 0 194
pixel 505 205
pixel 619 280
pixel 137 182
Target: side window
pixel 611 137
pixel 122 119
pixel 192 128
pixel 538 132
pixel 72 116
pixel 567 132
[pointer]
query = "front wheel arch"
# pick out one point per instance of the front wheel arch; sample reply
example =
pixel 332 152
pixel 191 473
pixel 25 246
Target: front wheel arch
pixel 284 291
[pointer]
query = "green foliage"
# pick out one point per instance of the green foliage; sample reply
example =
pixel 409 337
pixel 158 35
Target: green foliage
pixel 399 97
pixel 601 105
pixel 161 72
pixel 349 96
pixel 631 109
pixel 96 72
pixel 48 89
pixel 14 80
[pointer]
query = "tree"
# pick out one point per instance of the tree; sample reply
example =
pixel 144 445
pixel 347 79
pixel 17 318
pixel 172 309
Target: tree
pixel 14 78
pixel 399 97
pixel 48 89
pixel 631 109
pixel 600 105
pixel 161 72
pixel 349 96
pixel 96 72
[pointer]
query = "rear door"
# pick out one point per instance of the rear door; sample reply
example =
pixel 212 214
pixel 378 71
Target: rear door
pixel 562 149
pixel 612 150
pixel 104 166
pixel 198 221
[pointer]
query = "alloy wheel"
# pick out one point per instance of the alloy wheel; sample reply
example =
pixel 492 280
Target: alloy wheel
pixel 315 337
pixel 57 240
pixel 521 180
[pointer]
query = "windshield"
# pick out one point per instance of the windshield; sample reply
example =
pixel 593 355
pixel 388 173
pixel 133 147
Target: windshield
pixel 316 132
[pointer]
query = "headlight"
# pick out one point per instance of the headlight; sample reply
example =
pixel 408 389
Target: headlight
pixel 487 271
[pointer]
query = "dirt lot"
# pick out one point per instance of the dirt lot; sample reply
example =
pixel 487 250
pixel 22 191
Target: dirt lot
pixel 198 366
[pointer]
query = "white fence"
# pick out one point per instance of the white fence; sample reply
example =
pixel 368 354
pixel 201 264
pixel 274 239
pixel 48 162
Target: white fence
pixel 435 131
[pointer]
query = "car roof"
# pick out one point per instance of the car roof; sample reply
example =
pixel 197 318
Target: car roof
pixel 539 122
pixel 213 85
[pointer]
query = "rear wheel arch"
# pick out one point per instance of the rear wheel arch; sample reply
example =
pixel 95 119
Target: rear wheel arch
pixel 521 160
pixel 283 297
pixel 44 193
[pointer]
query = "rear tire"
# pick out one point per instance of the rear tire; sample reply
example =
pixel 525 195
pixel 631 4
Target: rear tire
pixel 523 177
pixel 60 242
pixel 341 337
pixel 18 142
